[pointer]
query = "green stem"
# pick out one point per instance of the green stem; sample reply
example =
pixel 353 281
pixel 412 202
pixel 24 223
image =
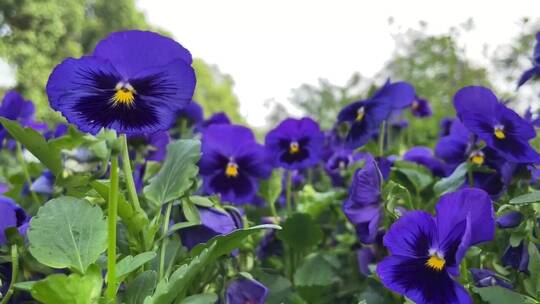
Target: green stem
pixel 165 240
pixel 26 174
pixel 14 273
pixel 128 175
pixel 381 138
pixel 111 221
pixel 470 177
pixel 288 193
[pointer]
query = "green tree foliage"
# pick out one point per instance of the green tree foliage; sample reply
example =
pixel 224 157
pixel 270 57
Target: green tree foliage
pixel 37 35
pixel 214 91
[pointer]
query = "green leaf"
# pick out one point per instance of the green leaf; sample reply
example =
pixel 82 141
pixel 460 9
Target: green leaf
pixel 73 289
pixel 141 287
pixel 397 195
pixel 36 144
pixel 315 271
pixel 201 201
pixel 532 283
pixel 68 232
pixel 270 189
pixel 300 232
pixel 180 280
pixel 316 203
pixel 203 298
pixel 501 295
pixel 190 211
pixel 226 243
pixel 177 174
pixel 26 286
pixel 452 182
pixel 279 288
pixel 130 264
pixel 533 197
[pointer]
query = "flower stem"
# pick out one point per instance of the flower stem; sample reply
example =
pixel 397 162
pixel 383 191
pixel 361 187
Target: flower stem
pixel 111 221
pixel 14 273
pixel 128 175
pixel 26 174
pixel 288 193
pixel 381 138
pixel 165 240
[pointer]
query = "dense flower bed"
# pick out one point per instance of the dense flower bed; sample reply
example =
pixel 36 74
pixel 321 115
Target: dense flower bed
pixel 139 199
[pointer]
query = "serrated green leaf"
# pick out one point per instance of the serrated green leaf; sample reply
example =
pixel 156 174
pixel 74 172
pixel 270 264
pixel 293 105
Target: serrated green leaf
pixel 73 289
pixel 36 144
pixel 270 189
pixel 452 182
pixel 68 232
pixel 130 264
pixel 315 271
pixel 203 298
pixel 190 211
pixel 533 197
pixel 141 287
pixel 300 232
pixel 501 295
pixel 177 173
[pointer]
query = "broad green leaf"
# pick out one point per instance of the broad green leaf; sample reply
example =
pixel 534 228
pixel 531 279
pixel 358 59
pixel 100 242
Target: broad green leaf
pixel 203 298
pixel 533 197
pixel 316 203
pixel 73 289
pixel 300 232
pixel 68 232
pixel 36 144
pixel 226 243
pixel 396 194
pixel 270 189
pixel 452 182
pixel 190 211
pixel 532 283
pixel 142 286
pixel 177 174
pixel 501 295
pixel 176 286
pixel 315 271
pixel 130 264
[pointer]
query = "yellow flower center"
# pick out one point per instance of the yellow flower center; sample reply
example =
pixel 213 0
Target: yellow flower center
pixel 436 262
pixel 231 170
pixel 499 132
pixel 125 94
pixel 360 113
pixel 477 158
pixel 294 147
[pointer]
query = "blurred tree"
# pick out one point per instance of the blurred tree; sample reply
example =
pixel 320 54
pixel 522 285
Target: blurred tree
pixel 214 91
pixel 37 35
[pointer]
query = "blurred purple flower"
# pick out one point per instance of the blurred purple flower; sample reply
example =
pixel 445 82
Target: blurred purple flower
pixel 246 291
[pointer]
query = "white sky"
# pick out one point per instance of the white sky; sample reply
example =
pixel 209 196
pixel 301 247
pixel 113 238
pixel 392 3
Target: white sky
pixel 271 47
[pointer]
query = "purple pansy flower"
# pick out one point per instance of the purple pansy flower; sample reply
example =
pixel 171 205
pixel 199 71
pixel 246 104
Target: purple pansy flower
pixel 517 257
pixel 339 161
pixel 445 125
pixel 134 82
pixel 232 162
pixel 535 70
pixel 192 112
pixel 362 207
pixel 246 291
pixel 487 278
pixel 501 128
pixel 365 116
pixel 152 147
pixel 14 107
pixel 213 222
pixel 11 215
pixel 510 219
pixel 295 143
pixel 365 257
pixel 424 156
pixel 420 108
pixel 426 251
pixel 44 184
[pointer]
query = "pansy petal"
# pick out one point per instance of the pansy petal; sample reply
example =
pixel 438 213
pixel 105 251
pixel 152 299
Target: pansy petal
pixel 131 52
pixel 453 209
pixel 412 235
pixel 413 279
pixel 477 100
pixel 514 124
pixel 366 184
pixel 528 75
